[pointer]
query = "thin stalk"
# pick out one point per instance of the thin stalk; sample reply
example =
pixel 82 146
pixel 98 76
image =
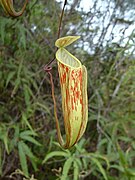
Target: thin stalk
pixel 58 34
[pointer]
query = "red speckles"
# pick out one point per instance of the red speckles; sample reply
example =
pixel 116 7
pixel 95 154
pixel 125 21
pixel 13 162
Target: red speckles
pixel 76 87
pixel 77 94
pixel 72 103
pixel 63 78
pixel 67 97
pixel 71 86
pixel 63 73
pixel 81 101
pixel 62 65
pixel 67 69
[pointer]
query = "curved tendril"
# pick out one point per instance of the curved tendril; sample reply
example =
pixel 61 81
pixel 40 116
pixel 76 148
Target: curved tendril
pixel 60 139
pixel 8 7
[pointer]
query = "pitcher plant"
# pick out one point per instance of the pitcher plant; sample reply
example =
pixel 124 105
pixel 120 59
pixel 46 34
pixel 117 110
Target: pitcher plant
pixel 73 82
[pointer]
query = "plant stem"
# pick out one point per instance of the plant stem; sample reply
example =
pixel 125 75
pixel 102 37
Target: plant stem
pixel 58 34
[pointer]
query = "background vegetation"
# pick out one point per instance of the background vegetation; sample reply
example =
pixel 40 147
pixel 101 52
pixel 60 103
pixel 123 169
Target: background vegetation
pixel 28 144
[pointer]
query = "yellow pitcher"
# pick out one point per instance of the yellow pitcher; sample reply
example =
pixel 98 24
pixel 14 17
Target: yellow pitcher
pixel 73 81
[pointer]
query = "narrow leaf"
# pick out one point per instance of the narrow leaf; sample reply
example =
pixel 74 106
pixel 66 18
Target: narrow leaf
pixel 76 171
pixel 9 77
pixel 28 133
pixel 27 150
pixel 29 153
pixel 55 153
pixel 31 139
pixel 102 171
pixel 66 168
pixel 24 119
pixel 23 160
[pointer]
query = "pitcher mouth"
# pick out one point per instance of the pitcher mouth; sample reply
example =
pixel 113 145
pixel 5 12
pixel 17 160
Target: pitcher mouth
pixel 66 58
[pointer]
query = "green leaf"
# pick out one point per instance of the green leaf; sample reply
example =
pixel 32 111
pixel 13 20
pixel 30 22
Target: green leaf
pixel 23 160
pixel 17 84
pixel 97 155
pixel 22 35
pixel 24 119
pixel 31 139
pixel 27 150
pixel 85 164
pixel 66 168
pixel 20 69
pixel 119 168
pixel 9 77
pixel 3 23
pixel 6 142
pixel 0 161
pixel 102 171
pixel 29 153
pixel 55 153
pixel 80 145
pixel 28 133
pixel 122 157
pixel 76 171
pixel 130 172
pixel 26 95
pixel 79 162
pixel 2 29
pixel 4 137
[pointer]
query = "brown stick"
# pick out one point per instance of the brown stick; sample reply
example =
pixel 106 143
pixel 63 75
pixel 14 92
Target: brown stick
pixel 58 34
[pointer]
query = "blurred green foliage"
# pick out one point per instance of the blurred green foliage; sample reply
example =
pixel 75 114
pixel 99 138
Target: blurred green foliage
pixel 28 147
